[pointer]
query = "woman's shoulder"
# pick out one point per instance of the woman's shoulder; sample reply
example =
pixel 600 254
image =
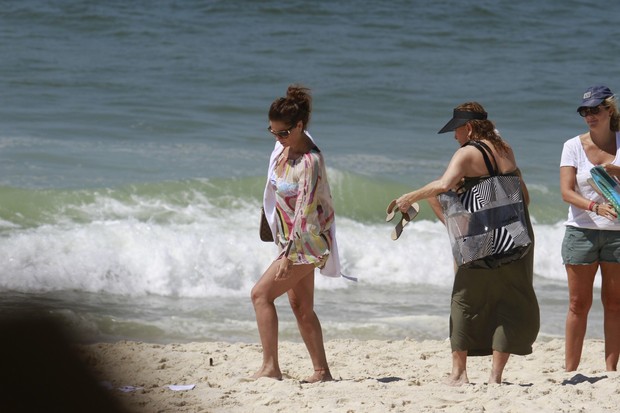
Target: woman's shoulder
pixel 575 140
pixel 477 150
pixel 465 158
pixel 311 160
pixel 313 154
pixel 467 150
pixel 573 146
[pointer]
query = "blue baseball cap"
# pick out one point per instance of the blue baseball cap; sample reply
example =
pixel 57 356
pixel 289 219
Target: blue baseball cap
pixel 594 96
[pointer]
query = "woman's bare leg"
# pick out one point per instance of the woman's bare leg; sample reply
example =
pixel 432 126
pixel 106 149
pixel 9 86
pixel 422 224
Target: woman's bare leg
pixel 301 298
pixel 580 282
pixel 610 296
pixel 264 294
pixel 459 369
pixel 499 362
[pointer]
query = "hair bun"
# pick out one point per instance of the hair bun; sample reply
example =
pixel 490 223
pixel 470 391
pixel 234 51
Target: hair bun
pixel 298 92
pixel 295 107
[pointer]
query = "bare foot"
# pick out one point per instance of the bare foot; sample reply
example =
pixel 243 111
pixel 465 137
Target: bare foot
pixel 456 380
pixel 320 375
pixel 266 372
pixel 495 378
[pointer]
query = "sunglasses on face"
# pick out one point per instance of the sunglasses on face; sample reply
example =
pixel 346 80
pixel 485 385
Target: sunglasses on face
pixel 283 134
pixel 585 111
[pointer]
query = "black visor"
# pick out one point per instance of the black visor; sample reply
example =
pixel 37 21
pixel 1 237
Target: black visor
pixel 461 117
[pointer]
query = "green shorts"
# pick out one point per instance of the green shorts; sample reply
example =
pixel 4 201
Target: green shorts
pixel 587 246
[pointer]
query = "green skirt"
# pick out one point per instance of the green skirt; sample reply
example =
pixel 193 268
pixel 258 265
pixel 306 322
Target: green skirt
pixel 495 309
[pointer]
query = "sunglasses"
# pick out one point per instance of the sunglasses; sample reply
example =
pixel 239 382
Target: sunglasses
pixel 283 134
pixel 585 111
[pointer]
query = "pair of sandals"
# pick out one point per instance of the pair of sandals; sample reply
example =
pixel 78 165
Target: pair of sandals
pixel 411 213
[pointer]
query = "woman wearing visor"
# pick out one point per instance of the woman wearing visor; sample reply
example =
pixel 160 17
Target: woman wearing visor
pixel 592 237
pixel 494 311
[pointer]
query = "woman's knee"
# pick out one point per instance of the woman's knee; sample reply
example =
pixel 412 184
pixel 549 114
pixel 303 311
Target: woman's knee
pixel 302 312
pixel 610 289
pixel 580 305
pixel 254 294
pixel 259 295
pixel 611 304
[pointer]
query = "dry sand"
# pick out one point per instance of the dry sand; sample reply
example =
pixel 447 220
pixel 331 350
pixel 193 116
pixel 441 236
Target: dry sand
pixel 371 376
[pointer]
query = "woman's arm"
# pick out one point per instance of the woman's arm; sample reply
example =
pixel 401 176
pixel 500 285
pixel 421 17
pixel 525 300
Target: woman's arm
pixel 453 174
pixel 436 207
pixel 526 193
pixel 611 169
pixel 568 182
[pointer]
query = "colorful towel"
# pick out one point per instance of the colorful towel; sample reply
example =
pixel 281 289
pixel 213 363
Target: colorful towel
pixel 608 186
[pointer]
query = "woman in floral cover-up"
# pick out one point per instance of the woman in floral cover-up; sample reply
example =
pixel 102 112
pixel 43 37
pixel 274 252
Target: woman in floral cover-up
pixel 298 207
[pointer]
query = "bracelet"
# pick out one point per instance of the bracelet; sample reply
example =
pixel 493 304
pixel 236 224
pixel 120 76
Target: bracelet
pixel 596 208
pixel 592 203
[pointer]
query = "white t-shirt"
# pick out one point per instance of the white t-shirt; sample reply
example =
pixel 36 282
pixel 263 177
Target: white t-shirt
pixel 574 155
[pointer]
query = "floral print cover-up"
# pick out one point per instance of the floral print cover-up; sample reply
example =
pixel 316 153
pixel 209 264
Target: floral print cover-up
pixel 304 208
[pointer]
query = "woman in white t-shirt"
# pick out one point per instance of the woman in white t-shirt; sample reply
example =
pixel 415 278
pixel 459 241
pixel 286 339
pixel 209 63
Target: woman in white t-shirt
pixel 592 238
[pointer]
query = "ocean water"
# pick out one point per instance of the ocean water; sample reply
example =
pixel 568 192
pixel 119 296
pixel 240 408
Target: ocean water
pixel 133 149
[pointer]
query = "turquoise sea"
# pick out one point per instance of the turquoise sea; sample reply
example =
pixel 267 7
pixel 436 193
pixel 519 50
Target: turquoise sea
pixel 133 149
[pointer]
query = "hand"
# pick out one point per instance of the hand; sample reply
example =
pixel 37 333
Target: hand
pixel 404 202
pixel 612 169
pixel 283 269
pixel 607 211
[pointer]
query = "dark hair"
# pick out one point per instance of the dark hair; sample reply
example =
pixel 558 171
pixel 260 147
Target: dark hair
pixel 295 107
pixel 483 129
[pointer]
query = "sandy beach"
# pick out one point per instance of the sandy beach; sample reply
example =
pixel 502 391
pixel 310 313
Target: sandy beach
pixel 371 376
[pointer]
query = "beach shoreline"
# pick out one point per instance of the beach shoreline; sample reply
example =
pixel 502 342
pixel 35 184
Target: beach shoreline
pixel 373 375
